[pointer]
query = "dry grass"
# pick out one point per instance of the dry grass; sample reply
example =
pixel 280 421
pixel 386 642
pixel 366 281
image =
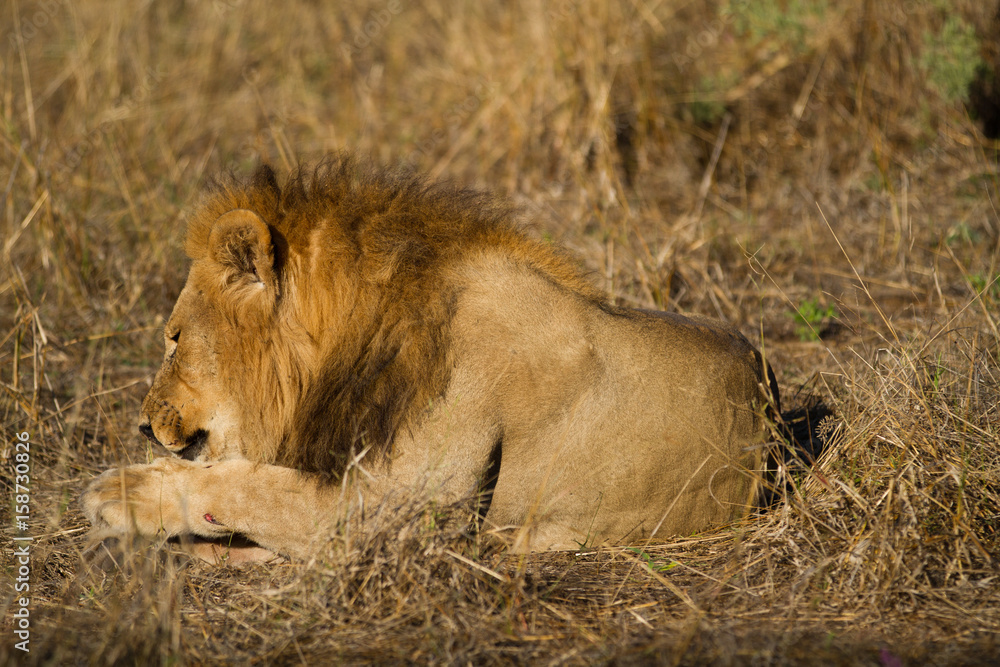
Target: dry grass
pixel 709 158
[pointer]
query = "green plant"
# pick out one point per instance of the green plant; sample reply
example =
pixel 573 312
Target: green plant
pixel 809 316
pixel 961 232
pixel 650 562
pixel 709 108
pixel 988 288
pixel 787 23
pixel 707 112
pixel 951 57
pixel 708 105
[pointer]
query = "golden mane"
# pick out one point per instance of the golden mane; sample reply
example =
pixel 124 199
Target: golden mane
pixel 363 257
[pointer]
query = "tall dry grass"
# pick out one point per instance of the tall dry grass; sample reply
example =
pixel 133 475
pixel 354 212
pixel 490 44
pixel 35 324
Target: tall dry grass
pixel 719 158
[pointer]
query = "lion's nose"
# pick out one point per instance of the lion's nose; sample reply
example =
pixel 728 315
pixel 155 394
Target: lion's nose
pixel 147 430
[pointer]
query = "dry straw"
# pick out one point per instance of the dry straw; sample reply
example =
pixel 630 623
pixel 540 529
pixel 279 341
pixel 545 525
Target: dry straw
pixel 805 174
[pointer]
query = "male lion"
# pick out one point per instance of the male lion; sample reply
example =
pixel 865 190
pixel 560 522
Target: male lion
pixel 366 321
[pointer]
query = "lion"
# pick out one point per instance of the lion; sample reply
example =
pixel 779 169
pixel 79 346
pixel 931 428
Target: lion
pixel 365 324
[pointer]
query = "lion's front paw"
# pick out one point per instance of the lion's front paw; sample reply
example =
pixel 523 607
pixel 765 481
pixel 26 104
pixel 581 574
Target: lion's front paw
pixel 147 499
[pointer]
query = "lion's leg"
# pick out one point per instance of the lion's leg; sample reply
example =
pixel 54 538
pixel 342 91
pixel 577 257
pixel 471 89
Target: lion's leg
pixel 277 508
pixel 282 509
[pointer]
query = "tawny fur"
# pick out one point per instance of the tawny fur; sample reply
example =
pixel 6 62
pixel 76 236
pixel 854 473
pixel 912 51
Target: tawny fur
pixel 365 317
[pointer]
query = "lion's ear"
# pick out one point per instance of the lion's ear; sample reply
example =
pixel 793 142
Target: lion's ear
pixel 241 243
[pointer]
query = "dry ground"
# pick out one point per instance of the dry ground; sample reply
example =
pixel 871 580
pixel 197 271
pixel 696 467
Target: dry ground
pixel 748 161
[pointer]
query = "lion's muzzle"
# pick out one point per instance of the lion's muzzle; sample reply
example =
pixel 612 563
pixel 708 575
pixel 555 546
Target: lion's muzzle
pixel 187 448
pixel 147 430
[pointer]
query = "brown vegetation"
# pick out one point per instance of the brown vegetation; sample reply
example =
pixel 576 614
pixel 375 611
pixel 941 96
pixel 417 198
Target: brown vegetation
pixel 811 175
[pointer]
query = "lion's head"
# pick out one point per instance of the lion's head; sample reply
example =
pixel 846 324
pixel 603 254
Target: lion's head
pixel 219 328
